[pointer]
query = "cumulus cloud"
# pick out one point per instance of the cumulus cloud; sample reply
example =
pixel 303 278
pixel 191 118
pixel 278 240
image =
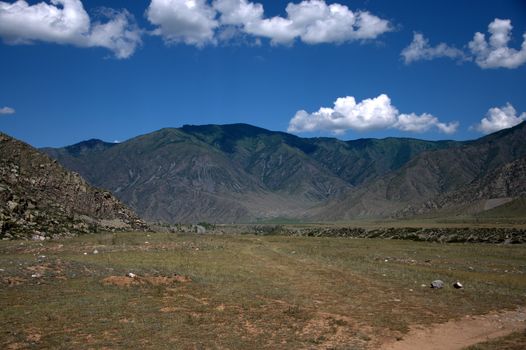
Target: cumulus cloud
pixel 499 118
pixel 419 50
pixel 66 22
pixel 7 110
pixel 424 122
pixel 492 53
pixel 189 21
pixel 369 114
pixel 198 22
pixel 315 22
pixel 496 53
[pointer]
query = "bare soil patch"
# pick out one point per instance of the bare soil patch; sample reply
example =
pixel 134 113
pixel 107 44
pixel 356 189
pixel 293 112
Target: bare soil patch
pixel 458 334
pixel 126 281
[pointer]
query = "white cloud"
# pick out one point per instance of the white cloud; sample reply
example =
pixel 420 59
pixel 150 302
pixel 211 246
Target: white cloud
pixel 199 22
pixel 499 118
pixel 369 114
pixel 315 22
pixel 7 110
pixel 496 53
pixel 188 21
pixel 422 123
pixel 66 22
pixel 238 12
pixel 419 49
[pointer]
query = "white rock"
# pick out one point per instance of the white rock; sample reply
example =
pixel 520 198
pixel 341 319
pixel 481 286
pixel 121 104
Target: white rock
pixel 95 251
pixel 131 275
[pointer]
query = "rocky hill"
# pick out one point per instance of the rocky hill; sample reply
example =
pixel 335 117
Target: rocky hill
pixel 39 198
pixel 239 173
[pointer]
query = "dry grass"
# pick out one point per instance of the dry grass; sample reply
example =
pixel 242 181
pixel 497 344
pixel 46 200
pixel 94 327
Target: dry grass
pixel 515 341
pixel 245 291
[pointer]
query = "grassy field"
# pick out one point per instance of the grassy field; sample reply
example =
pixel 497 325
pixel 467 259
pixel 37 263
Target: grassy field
pixel 245 291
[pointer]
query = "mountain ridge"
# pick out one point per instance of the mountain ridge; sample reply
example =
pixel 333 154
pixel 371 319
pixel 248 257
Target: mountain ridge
pixel 240 172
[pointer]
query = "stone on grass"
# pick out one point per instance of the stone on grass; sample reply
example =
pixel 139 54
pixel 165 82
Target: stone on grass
pixel 458 285
pixel 437 284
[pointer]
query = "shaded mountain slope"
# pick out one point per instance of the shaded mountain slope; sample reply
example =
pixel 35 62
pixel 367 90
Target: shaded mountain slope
pixel 432 174
pixel 40 197
pixel 499 187
pixel 238 172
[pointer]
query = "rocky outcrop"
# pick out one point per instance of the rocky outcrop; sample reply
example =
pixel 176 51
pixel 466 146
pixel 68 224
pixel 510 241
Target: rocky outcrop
pixel 40 199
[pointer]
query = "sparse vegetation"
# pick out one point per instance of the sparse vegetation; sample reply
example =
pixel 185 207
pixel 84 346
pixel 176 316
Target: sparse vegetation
pixel 515 341
pixel 275 292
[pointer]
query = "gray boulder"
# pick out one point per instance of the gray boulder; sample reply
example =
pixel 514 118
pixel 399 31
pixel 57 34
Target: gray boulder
pixel 437 284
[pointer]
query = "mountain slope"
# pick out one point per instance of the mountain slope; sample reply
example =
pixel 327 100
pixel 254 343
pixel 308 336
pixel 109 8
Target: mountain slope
pixel 499 187
pixel 431 174
pixel 238 172
pixel 40 197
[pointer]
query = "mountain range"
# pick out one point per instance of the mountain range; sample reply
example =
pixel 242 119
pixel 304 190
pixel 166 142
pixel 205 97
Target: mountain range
pixel 242 173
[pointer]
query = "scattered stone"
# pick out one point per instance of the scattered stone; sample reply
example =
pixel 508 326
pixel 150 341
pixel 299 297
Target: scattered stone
pixel 458 285
pixel 38 238
pixel 85 253
pixel 132 279
pixel 36 275
pixel 95 251
pixel 200 229
pixel 11 205
pixel 437 284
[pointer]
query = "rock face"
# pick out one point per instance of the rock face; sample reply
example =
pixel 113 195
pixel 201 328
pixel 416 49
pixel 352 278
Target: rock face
pixel 40 199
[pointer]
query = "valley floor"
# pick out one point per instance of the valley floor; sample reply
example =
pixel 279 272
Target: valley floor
pixel 246 291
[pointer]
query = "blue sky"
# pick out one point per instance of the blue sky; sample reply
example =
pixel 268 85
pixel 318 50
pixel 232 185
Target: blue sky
pixel 178 66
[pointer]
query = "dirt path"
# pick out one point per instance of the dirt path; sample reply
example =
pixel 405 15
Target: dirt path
pixel 458 334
